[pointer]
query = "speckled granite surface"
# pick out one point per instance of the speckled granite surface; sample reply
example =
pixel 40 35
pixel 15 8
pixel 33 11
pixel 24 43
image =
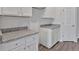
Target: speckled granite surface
pixel 9 34
pixel 50 26
pixel 17 35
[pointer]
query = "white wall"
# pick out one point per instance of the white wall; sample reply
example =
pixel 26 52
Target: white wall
pixel 50 12
pixel 46 21
pixel 33 23
pixel 36 15
pixel 59 15
pixel 10 22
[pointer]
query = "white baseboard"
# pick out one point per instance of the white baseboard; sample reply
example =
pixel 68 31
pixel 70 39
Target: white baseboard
pixel 75 41
pixel 72 40
pixel 60 40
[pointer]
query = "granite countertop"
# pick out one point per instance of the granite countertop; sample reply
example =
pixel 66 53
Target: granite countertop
pixel 17 34
pixel 50 26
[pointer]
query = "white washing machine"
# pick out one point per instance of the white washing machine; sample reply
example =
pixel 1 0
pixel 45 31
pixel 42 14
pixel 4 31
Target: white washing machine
pixel 49 34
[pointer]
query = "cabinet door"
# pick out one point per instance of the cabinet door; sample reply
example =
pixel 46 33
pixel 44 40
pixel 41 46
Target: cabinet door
pixel 20 48
pixel 69 25
pixel 10 11
pixel 12 44
pixel 26 11
pixel 33 44
pixel 50 12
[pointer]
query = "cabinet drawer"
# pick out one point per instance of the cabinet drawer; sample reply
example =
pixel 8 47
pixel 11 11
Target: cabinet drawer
pixel 12 44
pixel 20 48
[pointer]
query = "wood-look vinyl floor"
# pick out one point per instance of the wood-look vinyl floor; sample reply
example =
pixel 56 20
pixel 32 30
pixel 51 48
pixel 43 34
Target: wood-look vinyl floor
pixel 62 46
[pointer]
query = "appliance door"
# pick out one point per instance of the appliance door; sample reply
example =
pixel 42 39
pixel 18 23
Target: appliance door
pixel 45 36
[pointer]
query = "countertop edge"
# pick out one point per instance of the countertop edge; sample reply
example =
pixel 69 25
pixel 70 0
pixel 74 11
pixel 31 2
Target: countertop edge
pixel 18 38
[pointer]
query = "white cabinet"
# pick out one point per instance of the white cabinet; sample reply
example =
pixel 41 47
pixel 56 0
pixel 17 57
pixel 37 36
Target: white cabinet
pixel 26 11
pixel 68 24
pixel 16 11
pixel 12 44
pixel 10 11
pixel 29 43
pixel 50 12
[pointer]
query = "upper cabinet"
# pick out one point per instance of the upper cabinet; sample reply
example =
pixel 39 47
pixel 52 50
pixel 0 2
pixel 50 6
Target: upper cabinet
pixel 26 11
pixel 16 11
pixel 10 11
pixel 50 12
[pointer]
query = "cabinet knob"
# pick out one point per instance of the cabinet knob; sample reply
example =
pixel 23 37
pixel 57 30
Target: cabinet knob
pixel 73 25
